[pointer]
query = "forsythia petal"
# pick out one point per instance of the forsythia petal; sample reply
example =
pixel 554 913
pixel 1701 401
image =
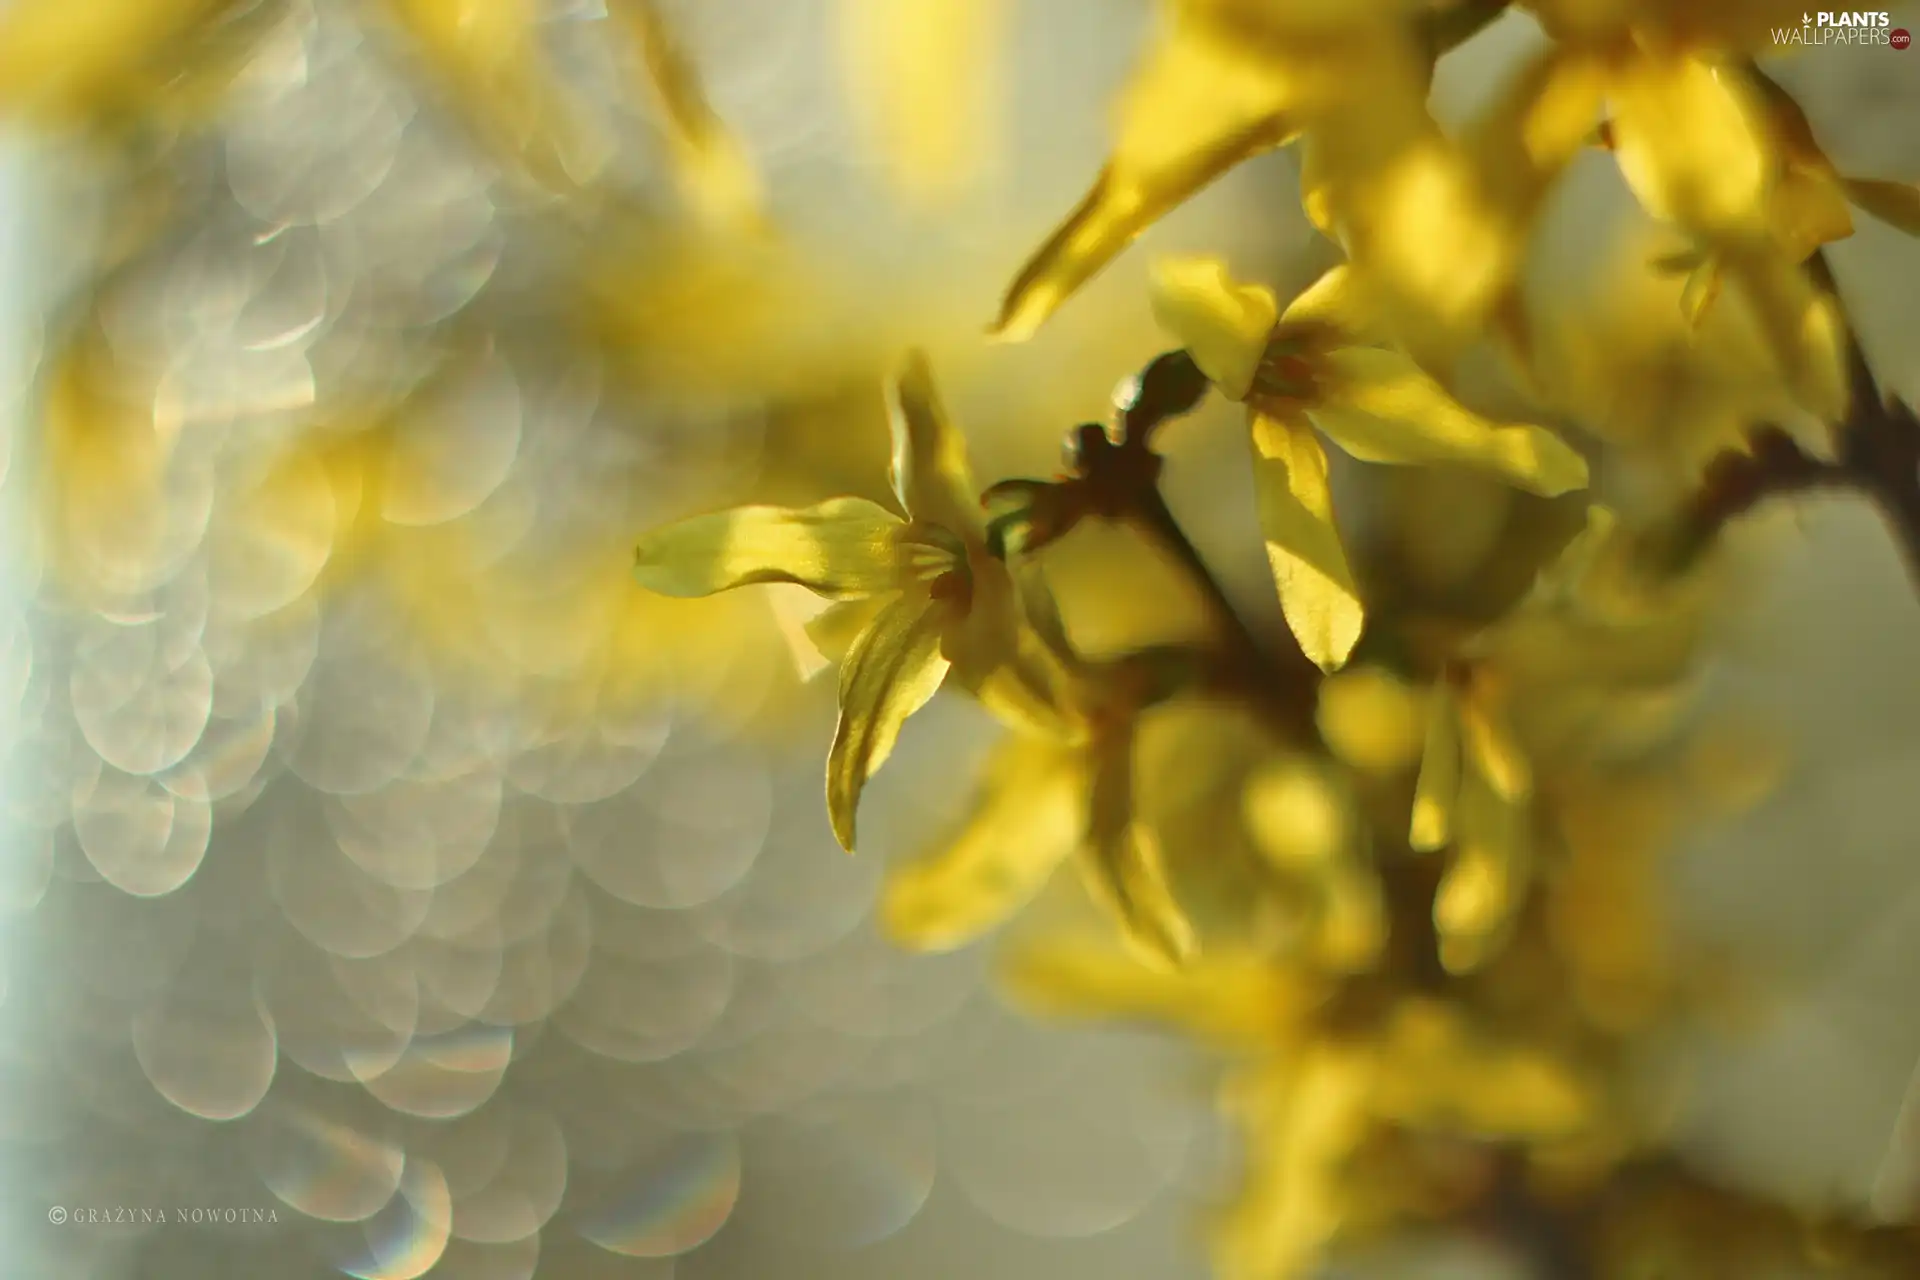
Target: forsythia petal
pixel 1235 999
pixel 1523 1097
pixel 1333 304
pixel 1316 188
pixel 795 610
pixel 1353 921
pixel 716 177
pixel 893 670
pixel 1482 888
pixel 1026 818
pixel 1701 289
pixel 833 630
pixel 1473 896
pixel 1439 781
pixel 841 548
pixel 931 474
pixel 1302 1117
pixel 1123 863
pixel 1223 325
pixel 1493 752
pixel 1371 719
pixel 920 80
pixel 489 53
pixel 1431 249
pixel 1380 407
pixel 1802 326
pixel 1309 564
pixel 58 58
pixel 1204 102
pixel 1540 125
pixel 725 316
pixel 1298 818
pixel 102 488
pixel 1445 1074
pixel 1809 209
pixel 1692 144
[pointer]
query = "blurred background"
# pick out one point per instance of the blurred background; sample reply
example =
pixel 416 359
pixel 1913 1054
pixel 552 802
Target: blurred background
pixel 389 880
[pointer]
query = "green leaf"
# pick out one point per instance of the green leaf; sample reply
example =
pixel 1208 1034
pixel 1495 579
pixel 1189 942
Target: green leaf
pixel 1317 592
pixel 1122 859
pixel 841 549
pixel 1379 407
pixel 1027 816
pixel 892 671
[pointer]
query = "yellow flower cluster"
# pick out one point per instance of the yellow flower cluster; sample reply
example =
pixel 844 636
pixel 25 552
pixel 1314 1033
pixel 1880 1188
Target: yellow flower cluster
pixel 1425 922
pixel 1394 862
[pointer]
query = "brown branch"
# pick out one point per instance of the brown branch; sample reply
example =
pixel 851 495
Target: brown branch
pixel 1169 387
pixel 1878 458
pixel 1555 1240
pixel 1281 682
pixel 1879 444
pixel 1112 472
pixel 1447 29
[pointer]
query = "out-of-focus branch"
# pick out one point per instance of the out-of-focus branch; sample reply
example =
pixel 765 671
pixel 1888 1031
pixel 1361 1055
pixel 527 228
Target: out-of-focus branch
pixel 1554 1240
pixel 1281 681
pixel 1878 457
pixel 1450 26
pixel 1170 386
pixel 1657 1204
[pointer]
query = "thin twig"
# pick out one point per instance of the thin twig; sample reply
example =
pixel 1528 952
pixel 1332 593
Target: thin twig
pixel 1554 1239
pixel 1113 473
pixel 1283 681
pixel 1878 457
pixel 1171 385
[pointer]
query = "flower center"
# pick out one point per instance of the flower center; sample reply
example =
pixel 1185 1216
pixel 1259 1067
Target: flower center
pixel 936 558
pixel 1286 372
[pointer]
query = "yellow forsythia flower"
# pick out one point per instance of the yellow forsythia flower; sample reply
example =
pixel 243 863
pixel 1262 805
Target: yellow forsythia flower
pixel 1040 801
pixel 1225 81
pixel 1305 373
pixel 944 601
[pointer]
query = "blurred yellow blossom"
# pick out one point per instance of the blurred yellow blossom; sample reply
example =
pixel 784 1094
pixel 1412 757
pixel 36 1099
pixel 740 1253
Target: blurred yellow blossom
pixel 944 601
pixel 1371 719
pixel 1436 228
pixel 922 78
pixel 109 65
pixel 1311 1083
pixel 1041 799
pixel 1226 80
